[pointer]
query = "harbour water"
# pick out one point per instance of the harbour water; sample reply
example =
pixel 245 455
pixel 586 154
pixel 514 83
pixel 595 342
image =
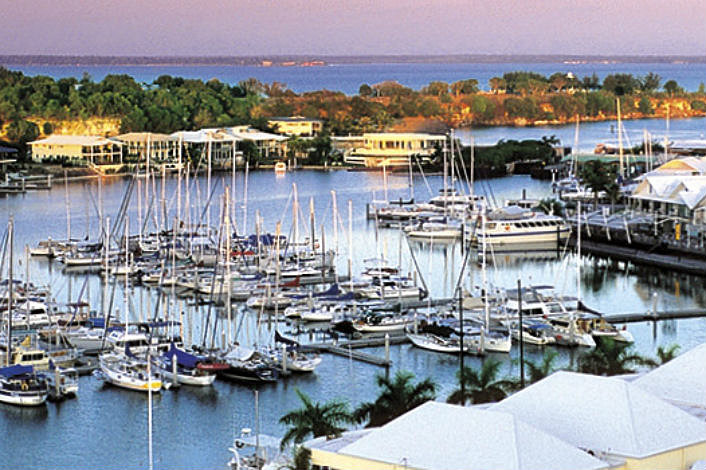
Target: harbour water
pixel 348 77
pixel 107 427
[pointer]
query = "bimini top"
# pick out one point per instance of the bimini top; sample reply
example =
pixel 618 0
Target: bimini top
pixel 604 414
pixel 439 436
pixel 14 371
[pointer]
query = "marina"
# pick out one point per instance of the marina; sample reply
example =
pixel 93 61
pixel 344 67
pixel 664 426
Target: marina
pixel 347 364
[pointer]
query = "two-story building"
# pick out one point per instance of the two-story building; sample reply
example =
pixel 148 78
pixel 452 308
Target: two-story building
pixel 296 125
pixel 77 149
pixel 159 147
pixel 395 149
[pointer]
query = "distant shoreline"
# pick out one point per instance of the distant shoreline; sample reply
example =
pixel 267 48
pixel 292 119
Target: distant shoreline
pixel 323 60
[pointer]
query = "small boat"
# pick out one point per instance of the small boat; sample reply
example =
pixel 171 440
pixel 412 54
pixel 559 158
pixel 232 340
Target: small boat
pixel 63 383
pixel 280 168
pixel 535 332
pixel 21 385
pixel 246 365
pixel 127 372
pixel 435 230
pixel 380 323
pixel 436 343
pixel 188 371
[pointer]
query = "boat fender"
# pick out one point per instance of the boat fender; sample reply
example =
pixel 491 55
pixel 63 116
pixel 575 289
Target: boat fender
pixel 24 387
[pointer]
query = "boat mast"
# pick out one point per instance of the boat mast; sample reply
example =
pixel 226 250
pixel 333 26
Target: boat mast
pixel 620 141
pixel 486 310
pixel 10 287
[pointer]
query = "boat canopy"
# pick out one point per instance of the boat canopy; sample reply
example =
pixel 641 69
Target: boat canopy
pixel 510 213
pixel 183 358
pixel 14 371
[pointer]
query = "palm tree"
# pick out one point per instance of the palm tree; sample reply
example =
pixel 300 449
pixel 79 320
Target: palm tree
pixel 666 354
pixel 611 358
pixel 480 386
pixel 316 419
pixel 536 372
pixel 397 396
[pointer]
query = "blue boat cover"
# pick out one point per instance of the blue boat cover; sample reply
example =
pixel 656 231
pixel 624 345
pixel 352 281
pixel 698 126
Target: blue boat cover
pixel 330 292
pixel 16 370
pixel 183 358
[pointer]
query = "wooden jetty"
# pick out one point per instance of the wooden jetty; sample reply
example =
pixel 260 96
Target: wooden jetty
pixel 349 348
pixel 673 262
pixel 655 316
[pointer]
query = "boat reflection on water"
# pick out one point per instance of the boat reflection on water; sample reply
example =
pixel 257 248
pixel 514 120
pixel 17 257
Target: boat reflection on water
pixel 515 254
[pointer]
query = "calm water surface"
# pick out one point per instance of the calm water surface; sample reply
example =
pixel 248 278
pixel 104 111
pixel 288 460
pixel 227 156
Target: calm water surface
pixel 107 427
pixel 348 78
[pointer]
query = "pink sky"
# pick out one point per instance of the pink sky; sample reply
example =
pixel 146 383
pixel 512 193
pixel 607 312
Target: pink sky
pixel 256 27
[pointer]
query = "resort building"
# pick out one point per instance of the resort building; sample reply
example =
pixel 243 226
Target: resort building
pixel 159 147
pixel 612 419
pixel 439 436
pixel 681 381
pixel 687 166
pixel 296 125
pixel 681 198
pixel 268 145
pixel 77 149
pixel 395 149
pixel 216 144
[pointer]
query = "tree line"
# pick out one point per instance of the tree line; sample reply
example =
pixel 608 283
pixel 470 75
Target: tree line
pixel 171 103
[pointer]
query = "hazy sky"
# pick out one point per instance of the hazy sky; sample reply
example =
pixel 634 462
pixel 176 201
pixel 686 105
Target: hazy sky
pixel 256 27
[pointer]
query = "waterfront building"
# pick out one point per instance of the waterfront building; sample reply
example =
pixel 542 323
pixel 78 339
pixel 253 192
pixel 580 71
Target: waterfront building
pixel 197 145
pixel 296 125
pixel 268 145
pixel 612 419
pixel 680 198
pixel 82 149
pixel 395 149
pixel 686 166
pixel 161 147
pixel 681 381
pixel 439 436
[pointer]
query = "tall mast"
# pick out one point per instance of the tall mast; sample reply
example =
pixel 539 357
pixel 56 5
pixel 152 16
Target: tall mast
pixel 178 208
pixel 10 287
pixel 620 141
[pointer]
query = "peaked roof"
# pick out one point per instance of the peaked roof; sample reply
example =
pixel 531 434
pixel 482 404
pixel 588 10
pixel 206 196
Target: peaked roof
pixel 604 414
pixel 681 381
pixel 438 436
pixel 83 140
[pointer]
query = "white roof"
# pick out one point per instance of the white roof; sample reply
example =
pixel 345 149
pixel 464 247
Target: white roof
pixel 84 140
pixel 204 135
pixel 403 135
pixel 678 189
pixel 604 414
pixel 254 134
pixel 438 436
pixel 682 380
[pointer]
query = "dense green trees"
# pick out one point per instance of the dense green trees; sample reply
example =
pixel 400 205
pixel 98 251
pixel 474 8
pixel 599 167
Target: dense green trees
pixel 610 357
pixel 171 103
pixel 480 386
pixel 314 419
pixel 397 396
